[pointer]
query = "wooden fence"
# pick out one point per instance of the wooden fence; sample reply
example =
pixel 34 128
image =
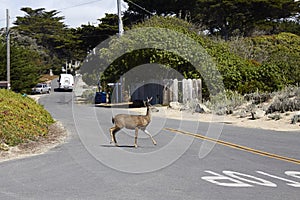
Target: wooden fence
pixel 182 91
pixel 168 90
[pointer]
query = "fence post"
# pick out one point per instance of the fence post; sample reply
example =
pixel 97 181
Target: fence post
pixel 190 88
pixel 166 90
pixel 195 89
pixel 199 83
pixel 187 90
pixel 184 91
pixel 175 90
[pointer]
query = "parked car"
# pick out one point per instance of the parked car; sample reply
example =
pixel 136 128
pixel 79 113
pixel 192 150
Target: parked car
pixel 41 88
pixel 65 82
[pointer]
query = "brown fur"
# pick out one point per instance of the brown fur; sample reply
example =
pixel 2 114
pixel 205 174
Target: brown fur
pixel 133 122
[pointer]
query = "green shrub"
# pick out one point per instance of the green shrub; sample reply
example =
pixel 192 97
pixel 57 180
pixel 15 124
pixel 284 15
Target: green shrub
pixel 258 97
pixel 89 95
pixel 285 100
pixel 278 56
pixel 225 103
pixel 21 118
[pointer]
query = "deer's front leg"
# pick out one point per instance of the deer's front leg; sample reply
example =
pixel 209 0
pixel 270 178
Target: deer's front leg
pixel 113 132
pixel 136 136
pixel 147 132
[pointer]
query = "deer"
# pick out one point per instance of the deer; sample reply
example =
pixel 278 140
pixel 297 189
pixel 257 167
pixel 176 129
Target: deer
pixel 133 122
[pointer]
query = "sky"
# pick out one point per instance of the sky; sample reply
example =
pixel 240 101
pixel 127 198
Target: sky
pixel 76 12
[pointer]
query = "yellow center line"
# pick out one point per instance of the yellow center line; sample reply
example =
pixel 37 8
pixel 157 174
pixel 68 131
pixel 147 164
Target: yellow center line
pixel 236 146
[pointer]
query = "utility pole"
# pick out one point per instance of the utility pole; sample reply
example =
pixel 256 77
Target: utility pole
pixel 8 49
pixel 121 30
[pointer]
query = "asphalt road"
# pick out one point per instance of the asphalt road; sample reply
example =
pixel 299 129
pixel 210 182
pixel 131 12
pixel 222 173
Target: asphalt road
pixel 187 162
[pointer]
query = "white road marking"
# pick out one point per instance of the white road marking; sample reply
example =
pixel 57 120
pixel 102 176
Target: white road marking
pixel 250 179
pixel 237 179
pixel 217 178
pixel 290 182
pixel 293 174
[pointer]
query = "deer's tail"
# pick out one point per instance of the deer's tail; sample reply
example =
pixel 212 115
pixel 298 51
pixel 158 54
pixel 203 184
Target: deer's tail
pixel 113 120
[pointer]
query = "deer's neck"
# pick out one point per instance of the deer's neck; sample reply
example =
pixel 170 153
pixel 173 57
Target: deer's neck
pixel 148 113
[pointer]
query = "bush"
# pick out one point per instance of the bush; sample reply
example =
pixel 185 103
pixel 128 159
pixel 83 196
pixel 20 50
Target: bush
pixel 258 97
pixel 285 100
pixel 21 119
pixel 89 95
pixel 278 56
pixel 225 103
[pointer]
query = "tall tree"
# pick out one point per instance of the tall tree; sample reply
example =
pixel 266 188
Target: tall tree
pixel 242 16
pixel 225 18
pixel 139 10
pixel 26 65
pixel 91 36
pixel 50 32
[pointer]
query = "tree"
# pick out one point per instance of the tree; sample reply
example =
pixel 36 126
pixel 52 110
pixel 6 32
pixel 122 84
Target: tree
pixel 49 32
pixel 146 45
pixel 225 18
pixel 228 18
pixel 25 67
pixel 139 10
pixel 91 36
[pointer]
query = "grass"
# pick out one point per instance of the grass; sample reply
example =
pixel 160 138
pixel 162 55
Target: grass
pixel 21 119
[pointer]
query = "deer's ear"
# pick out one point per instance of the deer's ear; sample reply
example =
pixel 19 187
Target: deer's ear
pixel 149 99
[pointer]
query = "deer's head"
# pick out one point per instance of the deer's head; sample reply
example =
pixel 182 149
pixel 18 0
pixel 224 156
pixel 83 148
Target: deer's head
pixel 149 106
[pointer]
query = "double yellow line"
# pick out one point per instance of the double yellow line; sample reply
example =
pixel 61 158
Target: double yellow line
pixel 236 146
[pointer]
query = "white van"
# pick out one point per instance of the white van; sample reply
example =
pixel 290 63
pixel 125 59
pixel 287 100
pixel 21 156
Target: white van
pixel 66 82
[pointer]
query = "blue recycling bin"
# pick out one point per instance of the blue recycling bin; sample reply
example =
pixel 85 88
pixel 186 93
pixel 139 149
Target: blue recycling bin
pixel 100 97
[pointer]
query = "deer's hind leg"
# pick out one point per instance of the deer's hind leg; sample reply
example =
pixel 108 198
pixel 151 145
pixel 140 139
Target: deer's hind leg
pixel 136 136
pixel 113 131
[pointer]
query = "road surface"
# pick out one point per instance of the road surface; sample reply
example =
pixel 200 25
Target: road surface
pixel 190 161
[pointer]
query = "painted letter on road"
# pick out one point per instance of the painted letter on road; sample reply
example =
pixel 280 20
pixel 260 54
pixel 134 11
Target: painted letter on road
pixel 222 180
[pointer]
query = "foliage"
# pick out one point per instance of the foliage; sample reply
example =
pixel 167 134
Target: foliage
pixel 21 118
pixel 51 33
pixel 181 8
pixel 285 100
pixel 91 36
pixel 26 66
pixel 89 95
pixel 278 54
pixel 264 63
pixel 225 18
pixel 277 27
pixel 239 73
pixel 225 102
pixel 172 48
pixel 228 18
pixel 295 119
pixel 258 97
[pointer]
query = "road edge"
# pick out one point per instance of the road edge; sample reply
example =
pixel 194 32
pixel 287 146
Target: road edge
pixel 57 136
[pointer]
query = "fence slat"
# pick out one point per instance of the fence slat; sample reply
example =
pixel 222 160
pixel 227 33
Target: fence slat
pixel 175 90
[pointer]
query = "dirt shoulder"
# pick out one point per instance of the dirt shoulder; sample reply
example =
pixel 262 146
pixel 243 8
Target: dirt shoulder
pixel 57 135
pixel 283 124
